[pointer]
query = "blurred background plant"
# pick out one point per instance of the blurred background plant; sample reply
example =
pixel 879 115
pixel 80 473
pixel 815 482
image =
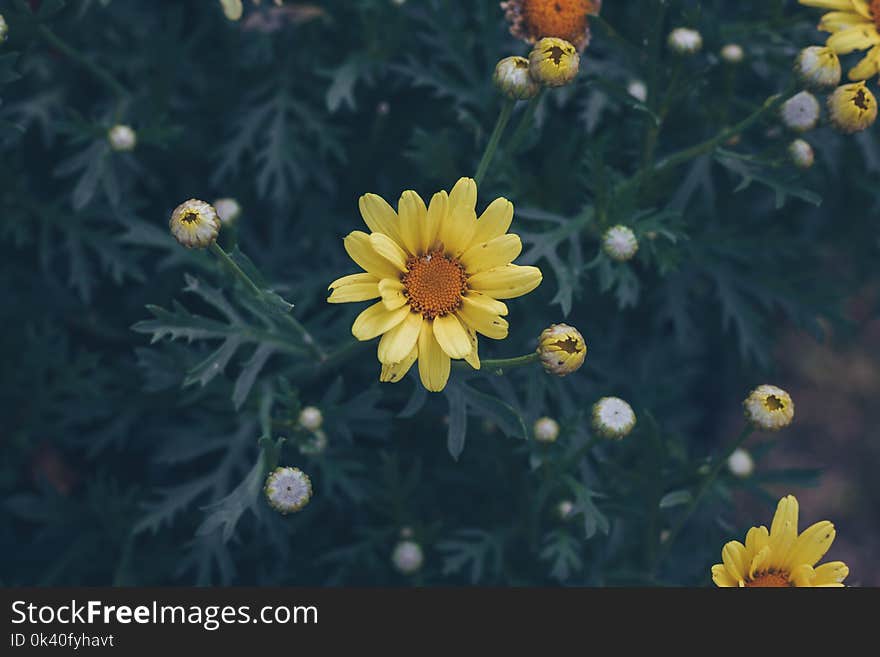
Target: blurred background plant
pixel 126 462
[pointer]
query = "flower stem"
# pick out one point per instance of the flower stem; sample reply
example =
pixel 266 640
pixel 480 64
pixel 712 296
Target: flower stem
pixel 498 365
pixel 494 140
pixel 99 73
pixel 701 493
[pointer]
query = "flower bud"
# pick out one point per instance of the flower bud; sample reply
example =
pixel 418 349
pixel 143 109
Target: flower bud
pixel 740 463
pixel 800 113
pixel 818 68
pixel 311 418
pixel 4 29
pixel 228 209
pixel 620 243
pixel 553 62
pixel 513 80
pixel 232 9
pixel 613 418
pixel 195 224
pixel 546 430
pixel 562 349
pixel 288 489
pixel 638 90
pixel 408 557
pixel 685 41
pixel 122 138
pixel 732 53
pixel 852 108
pixel 768 407
pixel 801 154
pixel 564 509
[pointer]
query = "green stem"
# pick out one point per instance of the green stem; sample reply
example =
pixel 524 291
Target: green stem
pixel 524 123
pixel 494 140
pixel 701 493
pixel 83 61
pixel 498 365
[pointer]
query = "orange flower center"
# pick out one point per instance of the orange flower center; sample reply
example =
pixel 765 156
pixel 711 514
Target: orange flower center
pixel 434 284
pixel 875 12
pixel 566 19
pixel 774 403
pixel 769 580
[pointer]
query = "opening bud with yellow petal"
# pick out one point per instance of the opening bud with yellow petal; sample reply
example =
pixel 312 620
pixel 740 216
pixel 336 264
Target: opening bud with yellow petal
pixel 852 108
pixel 554 62
pixel 513 80
pixel 818 68
pixel 546 430
pixel 768 407
pixel 288 489
pixel 195 224
pixel 562 349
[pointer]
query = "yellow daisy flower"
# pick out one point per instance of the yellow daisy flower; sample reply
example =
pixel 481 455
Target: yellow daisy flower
pixel 781 557
pixel 439 273
pixel 854 25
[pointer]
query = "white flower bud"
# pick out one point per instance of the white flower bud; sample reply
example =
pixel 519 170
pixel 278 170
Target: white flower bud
pixel 613 417
pixel 818 67
pixel 801 154
pixel 740 463
pixel 800 113
pixel 685 41
pixel 638 90
pixel 620 243
pixel 228 209
pixel 288 489
pixel 122 138
pixel 408 557
pixel 311 418
pixel 768 407
pixel 732 53
pixel 546 430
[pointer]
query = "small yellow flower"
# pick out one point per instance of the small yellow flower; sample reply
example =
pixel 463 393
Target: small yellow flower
pixel 546 430
pixel 195 224
pixel 852 108
pixel 768 407
pixel 781 557
pixel 531 20
pixel 854 25
pixel 439 273
pixel 513 80
pixel 818 68
pixel 562 349
pixel 288 489
pixel 554 62
pixel 613 418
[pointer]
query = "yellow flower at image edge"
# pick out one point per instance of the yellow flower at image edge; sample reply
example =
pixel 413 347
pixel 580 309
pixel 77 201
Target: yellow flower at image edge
pixel 781 557
pixel 852 108
pixel 854 25
pixel 439 273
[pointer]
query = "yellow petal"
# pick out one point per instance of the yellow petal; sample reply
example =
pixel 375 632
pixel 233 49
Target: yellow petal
pixel 379 216
pixel 858 37
pixel 357 245
pixel 783 531
pixel 396 371
pixel 391 290
pixel 812 544
pixel 436 215
pixel 397 343
pixel 434 364
pixel 862 7
pixel 835 21
pixel 756 540
pixel 840 5
pixel 482 256
pixel 759 561
pixel 354 287
pixel 721 577
pixel 377 319
pixel 412 212
pixel 487 303
pixel 494 221
pixel 389 249
pixel 733 555
pixel 830 574
pixel 868 67
pixel 473 358
pixel 232 9
pixel 456 231
pixel 802 575
pixel 483 322
pixel 464 194
pixel 506 282
pixel 452 336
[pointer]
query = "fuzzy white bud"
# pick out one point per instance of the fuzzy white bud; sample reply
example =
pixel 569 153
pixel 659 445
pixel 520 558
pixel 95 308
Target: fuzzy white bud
pixel 122 138
pixel 546 430
pixel 408 557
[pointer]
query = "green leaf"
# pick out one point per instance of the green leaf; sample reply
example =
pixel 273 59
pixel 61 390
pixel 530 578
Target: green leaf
pixel 676 498
pixel 457 431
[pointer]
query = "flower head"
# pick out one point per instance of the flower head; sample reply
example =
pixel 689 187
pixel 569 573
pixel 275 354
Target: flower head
pixel 800 113
pixel 620 243
pixel 801 154
pixel 228 209
pixel 685 41
pixel 553 62
pixel 562 349
pixel 781 557
pixel 195 224
pixel 852 108
pixel 546 430
pixel 740 463
pixel 768 407
pixel 4 29
pixel 854 25
pixel 439 273
pixel 407 557
pixel 311 418
pixel 818 68
pixel 732 53
pixel 613 418
pixel 288 489
pixel 531 20
pixel 122 138
pixel 512 78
